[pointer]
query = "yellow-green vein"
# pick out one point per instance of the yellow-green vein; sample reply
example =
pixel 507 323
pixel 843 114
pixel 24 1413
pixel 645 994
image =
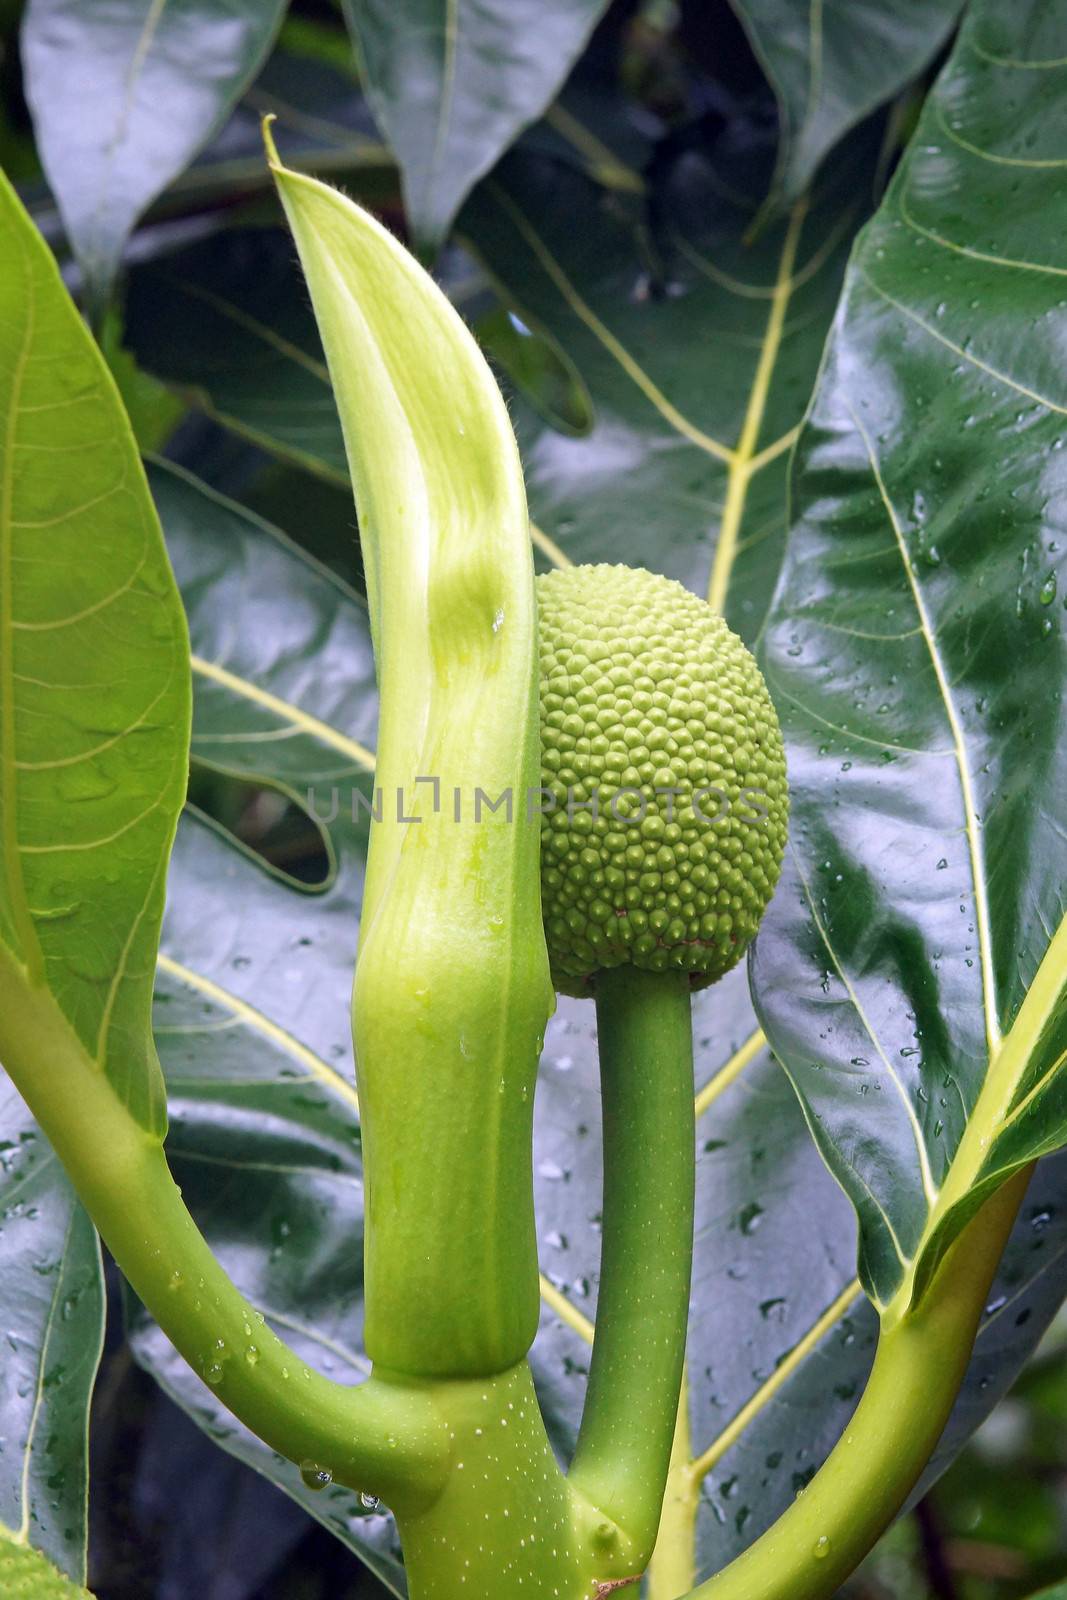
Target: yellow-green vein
pixel 615 348
pixel 548 547
pixel 742 460
pixel 23 923
pixel 291 714
pixel 256 1020
pixel 604 165
pixel 729 1436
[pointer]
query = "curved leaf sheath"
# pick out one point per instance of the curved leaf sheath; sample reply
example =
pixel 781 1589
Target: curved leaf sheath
pixel 912 970
pixel 452 989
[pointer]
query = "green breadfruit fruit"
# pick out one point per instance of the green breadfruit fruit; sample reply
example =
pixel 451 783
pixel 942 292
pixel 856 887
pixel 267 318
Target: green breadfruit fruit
pixel 643 689
pixel 25 1574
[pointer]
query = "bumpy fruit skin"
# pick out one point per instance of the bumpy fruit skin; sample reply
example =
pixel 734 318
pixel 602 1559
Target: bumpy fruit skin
pixel 644 687
pixel 26 1575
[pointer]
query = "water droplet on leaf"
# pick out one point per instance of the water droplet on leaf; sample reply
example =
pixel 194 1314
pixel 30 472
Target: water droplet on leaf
pixel 315 1476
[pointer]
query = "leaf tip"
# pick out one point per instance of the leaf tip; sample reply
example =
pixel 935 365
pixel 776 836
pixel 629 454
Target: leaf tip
pixel 269 146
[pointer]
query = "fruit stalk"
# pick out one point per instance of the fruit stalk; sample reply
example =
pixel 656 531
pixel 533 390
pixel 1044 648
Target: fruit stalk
pixel 646 1070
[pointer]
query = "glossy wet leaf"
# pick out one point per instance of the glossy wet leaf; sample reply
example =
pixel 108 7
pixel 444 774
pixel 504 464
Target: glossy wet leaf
pixel 322 123
pixel 912 972
pixel 538 368
pixel 226 322
pixel 453 84
pixel 831 65
pixel 124 95
pixel 52 1311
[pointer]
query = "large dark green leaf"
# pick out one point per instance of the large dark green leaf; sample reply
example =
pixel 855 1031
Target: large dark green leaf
pixel 453 83
pixel 227 322
pixel 321 123
pixel 51 1293
pixel 123 96
pixel 833 62
pixel 781 1337
pixel 913 970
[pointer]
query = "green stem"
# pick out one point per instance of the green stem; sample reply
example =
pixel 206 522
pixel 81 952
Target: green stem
pixel 918 1368
pixel 385 1436
pixel 646 1068
pixel 508 1522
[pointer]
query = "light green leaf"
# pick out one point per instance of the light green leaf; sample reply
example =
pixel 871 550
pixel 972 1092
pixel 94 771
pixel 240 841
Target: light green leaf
pixel 94 694
pixel 26 1573
pixel 93 717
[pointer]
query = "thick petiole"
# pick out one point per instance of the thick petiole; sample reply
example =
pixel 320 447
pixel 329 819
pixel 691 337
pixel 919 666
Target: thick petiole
pixel 646 1069
pixel 918 1368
